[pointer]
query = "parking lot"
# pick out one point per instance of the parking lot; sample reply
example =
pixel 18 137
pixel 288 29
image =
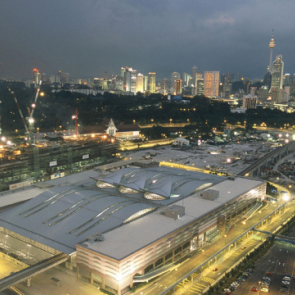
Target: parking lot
pixel 280 261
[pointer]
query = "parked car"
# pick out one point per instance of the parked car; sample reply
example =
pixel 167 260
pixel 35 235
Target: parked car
pixel 265 289
pixel 255 289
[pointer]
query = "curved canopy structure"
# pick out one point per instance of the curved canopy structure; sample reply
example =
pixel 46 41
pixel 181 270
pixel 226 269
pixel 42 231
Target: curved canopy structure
pixel 161 182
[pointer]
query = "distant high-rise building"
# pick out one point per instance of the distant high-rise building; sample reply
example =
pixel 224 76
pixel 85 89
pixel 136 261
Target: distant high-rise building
pixel 44 78
pixel 120 83
pixel 52 79
pixel 105 85
pixel 249 101
pixel 240 77
pixel 123 70
pixel 62 77
pixel 277 73
pixel 227 85
pixel 263 93
pixel 127 81
pixel 152 82
pixel 178 86
pixel 36 76
pixel 186 78
pixel 253 90
pixel 145 83
pixel 271 45
pixel 198 77
pixel 200 87
pixel 97 82
pixel 286 79
pixel 267 80
pixel 231 77
pixel 174 77
pixel 133 80
pixel 222 78
pixel 139 83
pixel 211 83
pixel 194 72
pixel 105 76
pixel 165 86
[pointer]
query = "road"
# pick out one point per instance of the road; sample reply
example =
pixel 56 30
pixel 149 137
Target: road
pixel 169 279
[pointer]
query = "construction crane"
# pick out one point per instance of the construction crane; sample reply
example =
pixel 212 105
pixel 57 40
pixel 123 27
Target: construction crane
pixel 20 112
pixel 31 119
pixel 75 117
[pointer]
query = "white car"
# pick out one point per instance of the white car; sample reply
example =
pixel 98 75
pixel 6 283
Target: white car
pixel 286 282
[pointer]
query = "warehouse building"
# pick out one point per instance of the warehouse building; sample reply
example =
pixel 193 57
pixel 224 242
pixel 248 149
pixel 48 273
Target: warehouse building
pixel 132 221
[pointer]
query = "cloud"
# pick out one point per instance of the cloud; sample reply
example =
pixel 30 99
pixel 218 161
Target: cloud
pixel 222 19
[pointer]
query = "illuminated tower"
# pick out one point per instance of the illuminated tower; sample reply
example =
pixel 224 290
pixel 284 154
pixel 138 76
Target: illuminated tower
pixel 152 82
pixel 36 76
pixel 211 84
pixel 271 45
pixel 178 86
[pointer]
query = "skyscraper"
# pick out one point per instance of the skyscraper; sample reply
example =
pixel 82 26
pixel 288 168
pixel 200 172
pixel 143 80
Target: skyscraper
pixel 277 73
pixel 194 72
pixel 271 45
pixel 231 77
pixel 200 87
pixel 178 86
pixel 186 77
pixel 211 83
pixel 174 77
pixel 152 82
pixel 36 76
pixel 139 83
pixel 127 81
pixel 133 80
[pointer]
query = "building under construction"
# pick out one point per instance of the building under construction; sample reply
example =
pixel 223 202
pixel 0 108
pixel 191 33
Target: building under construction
pixel 21 166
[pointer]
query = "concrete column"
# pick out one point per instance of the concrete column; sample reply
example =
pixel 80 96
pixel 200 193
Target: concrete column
pixel 192 278
pixel 29 282
pixel 103 283
pixel 78 274
pixel 173 256
pixel 91 278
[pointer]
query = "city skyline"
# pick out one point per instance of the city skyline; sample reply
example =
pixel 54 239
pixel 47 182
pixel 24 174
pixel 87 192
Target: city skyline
pixel 89 39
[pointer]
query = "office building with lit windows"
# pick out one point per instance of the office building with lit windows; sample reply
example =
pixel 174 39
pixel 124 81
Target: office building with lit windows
pixel 120 227
pixel 152 82
pixel 277 73
pixel 178 86
pixel 211 83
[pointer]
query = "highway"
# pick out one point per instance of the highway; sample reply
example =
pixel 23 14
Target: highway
pixel 198 258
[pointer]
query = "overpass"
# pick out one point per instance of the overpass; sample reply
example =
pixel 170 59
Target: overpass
pixel 270 158
pixel 27 273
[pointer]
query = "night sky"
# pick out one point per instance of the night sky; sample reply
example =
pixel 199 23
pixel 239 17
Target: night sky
pixel 88 37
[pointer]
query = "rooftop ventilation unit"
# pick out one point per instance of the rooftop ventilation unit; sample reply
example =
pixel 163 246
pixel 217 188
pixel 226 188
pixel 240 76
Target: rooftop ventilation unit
pixel 174 211
pixel 210 194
